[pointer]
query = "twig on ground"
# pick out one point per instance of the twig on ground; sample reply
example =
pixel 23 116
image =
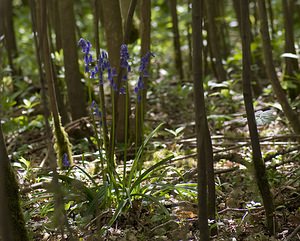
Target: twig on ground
pixel 242 210
pixel 297 229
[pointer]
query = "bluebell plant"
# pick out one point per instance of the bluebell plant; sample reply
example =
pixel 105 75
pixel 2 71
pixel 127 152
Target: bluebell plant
pixel 124 189
pixel 96 68
pixel 143 73
pixel 65 160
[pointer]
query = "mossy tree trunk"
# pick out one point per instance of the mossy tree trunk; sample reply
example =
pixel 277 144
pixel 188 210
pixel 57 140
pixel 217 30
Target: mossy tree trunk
pixel 62 143
pixel 12 224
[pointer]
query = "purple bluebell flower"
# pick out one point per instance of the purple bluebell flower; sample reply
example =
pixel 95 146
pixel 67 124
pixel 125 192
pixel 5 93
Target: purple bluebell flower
pixel 136 90
pixel 143 73
pixel 122 91
pixel 124 56
pixel 144 63
pixel 102 65
pixel 95 109
pixel 65 160
pixel 114 86
pixel 86 47
pixel 140 83
pixel 93 73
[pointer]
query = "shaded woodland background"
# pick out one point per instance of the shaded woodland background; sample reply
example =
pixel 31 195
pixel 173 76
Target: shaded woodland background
pixel 149 120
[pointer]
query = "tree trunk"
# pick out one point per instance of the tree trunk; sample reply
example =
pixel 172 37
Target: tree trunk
pixel 113 21
pixel 12 224
pixel 204 154
pixel 97 14
pixel 259 166
pixel 176 40
pixel 62 144
pixel 271 17
pixel 214 41
pixel 145 33
pixel 291 64
pixel 7 29
pixel 292 116
pixel 41 73
pixel 222 27
pixel 124 6
pixel 256 86
pixel 189 40
pixel 76 90
pixel 54 24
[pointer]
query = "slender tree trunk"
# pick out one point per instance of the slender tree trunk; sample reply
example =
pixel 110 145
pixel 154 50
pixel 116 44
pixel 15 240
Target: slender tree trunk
pixel 222 27
pixel 62 142
pixel 76 90
pixel 113 21
pixel 40 69
pixel 55 25
pixel 256 86
pixel 145 33
pixel 101 89
pixel 292 116
pixel 7 29
pixel 208 66
pixel 202 132
pixel 214 40
pixel 271 17
pixel 55 22
pixel 259 166
pixel 176 40
pixel 291 64
pixel 124 6
pixel 189 40
pixel 12 224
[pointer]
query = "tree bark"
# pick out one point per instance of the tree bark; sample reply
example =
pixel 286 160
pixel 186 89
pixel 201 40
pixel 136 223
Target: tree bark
pixel 97 14
pixel 259 166
pixel 271 17
pixel 12 224
pixel 292 116
pixel 256 86
pixel 75 89
pixel 204 154
pixel 62 142
pixel 55 22
pixel 114 38
pixel 7 29
pixel 176 40
pixel 214 41
pixel 145 34
pixel 291 64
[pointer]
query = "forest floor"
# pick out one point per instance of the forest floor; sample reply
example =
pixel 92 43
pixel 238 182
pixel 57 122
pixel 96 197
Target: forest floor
pixel 240 214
